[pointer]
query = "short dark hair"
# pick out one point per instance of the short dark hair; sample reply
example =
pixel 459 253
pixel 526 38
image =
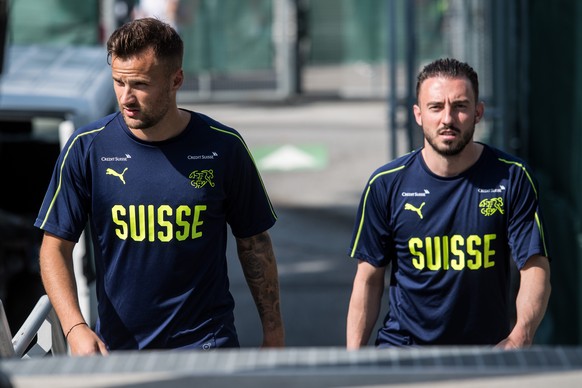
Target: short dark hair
pixel 136 36
pixel 450 68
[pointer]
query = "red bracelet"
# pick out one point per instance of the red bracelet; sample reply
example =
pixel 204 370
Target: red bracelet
pixel 72 327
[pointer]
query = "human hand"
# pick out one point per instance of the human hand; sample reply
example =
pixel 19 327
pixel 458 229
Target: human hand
pixel 511 343
pixel 507 344
pixel 84 342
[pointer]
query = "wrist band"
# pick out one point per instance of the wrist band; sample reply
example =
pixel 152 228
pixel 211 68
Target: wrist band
pixel 71 329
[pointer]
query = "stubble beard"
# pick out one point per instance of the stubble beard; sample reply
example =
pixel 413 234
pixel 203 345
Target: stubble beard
pixel 149 117
pixel 451 148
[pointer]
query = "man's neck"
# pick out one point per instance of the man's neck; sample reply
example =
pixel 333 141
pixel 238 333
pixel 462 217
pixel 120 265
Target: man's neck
pixel 171 126
pixel 449 166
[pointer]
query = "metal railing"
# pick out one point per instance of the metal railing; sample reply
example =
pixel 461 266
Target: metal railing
pixel 38 336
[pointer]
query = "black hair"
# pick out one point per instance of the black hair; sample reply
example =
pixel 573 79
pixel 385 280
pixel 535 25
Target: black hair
pixel 136 36
pixel 451 68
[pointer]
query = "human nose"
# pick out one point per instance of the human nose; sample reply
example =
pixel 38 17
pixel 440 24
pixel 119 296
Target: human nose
pixel 126 95
pixel 447 115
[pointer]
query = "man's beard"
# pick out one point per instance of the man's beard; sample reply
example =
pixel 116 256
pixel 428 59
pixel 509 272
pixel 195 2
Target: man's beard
pixel 454 147
pixel 147 121
pixel 150 117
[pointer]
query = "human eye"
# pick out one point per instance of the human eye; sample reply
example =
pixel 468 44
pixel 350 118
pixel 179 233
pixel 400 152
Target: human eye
pixel 462 105
pixel 139 84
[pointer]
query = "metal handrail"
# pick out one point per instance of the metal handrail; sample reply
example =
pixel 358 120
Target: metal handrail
pixel 43 324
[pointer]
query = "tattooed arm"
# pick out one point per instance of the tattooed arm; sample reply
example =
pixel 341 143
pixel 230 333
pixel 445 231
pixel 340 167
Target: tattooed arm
pixel 260 269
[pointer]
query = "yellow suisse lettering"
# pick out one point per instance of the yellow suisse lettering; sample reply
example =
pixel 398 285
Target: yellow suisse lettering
pixel 445 248
pixel 455 252
pixel 117 212
pixel 137 222
pixel 488 252
pixel 151 226
pixel 151 223
pixel 432 258
pixel 414 245
pixel 196 223
pixel 473 244
pixel 437 253
pixel 182 213
pixel 165 235
pixel 457 242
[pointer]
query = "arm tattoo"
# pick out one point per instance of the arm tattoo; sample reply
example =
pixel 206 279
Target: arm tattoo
pixel 260 269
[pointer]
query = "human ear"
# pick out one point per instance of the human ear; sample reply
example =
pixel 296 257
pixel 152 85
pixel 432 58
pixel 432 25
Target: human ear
pixel 178 79
pixel 417 114
pixel 479 111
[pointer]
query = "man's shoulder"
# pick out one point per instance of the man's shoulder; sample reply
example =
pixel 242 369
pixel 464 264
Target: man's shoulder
pixel 214 124
pixel 87 133
pixel 498 153
pixel 99 123
pixel 396 166
pixel 504 158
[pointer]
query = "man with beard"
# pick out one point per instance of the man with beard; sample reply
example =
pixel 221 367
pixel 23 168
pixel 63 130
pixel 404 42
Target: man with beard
pixel 157 185
pixel 450 219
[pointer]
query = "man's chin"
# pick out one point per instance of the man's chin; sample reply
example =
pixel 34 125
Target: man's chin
pixel 133 123
pixel 450 149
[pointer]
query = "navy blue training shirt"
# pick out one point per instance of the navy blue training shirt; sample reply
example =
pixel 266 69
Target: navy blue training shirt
pixel 450 242
pixel 158 215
